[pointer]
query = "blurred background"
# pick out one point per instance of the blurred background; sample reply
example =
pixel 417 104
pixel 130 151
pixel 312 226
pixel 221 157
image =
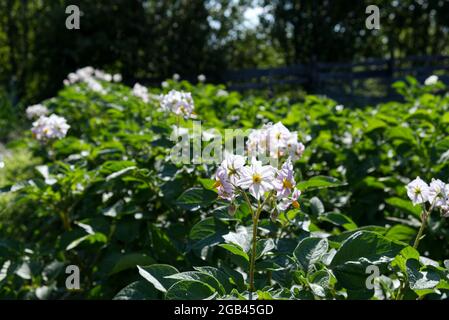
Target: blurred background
pixel 149 41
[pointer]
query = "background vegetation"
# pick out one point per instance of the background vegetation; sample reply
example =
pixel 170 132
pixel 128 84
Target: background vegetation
pixel 155 39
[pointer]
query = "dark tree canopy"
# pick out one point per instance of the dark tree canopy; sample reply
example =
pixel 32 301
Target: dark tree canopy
pixel 153 39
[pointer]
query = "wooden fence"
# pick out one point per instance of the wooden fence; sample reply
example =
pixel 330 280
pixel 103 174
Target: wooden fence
pixel 366 82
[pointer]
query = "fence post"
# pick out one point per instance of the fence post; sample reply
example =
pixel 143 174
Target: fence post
pixel 313 77
pixel 390 72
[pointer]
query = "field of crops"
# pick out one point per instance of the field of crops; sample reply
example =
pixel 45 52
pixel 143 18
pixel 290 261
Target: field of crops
pixel 95 205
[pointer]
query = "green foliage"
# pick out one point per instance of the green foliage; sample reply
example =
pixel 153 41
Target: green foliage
pixel 107 198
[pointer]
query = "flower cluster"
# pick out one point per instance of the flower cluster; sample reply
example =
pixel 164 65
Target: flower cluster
pixel 48 128
pixel 436 194
pixel 178 102
pixel 431 80
pixel 234 177
pixel 141 92
pixel 91 77
pixel 275 141
pixel 36 111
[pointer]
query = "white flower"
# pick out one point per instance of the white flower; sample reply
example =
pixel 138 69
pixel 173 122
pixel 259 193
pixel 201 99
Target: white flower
pixel 432 80
pixel 95 86
pixel 52 127
pixel 224 187
pixel 295 149
pixel 141 92
pixel 117 77
pixel 178 102
pixel 89 74
pixel 36 111
pixel 276 139
pixel 339 107
pixel 279 136
pixel 233 165
pixel 176 77
pixel 257 142
pixel 292 200
pixel 164 84
pixel 256 178
pixel 418 191
pixel 285 181
pixel 437 192
pixel 222 93
pixel 201 78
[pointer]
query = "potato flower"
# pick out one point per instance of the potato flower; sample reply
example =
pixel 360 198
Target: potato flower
pixel 36 111
pixel 49 128
pixel 178 102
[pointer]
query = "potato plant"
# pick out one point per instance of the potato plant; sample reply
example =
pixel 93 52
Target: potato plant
pixel 340 220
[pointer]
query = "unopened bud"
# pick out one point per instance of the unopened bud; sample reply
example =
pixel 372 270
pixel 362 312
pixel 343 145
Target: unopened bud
pixel 232 209
pixel 274 215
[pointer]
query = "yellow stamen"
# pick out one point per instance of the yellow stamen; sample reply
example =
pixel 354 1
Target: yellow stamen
pixel 295 204
pixel 257 178
pixel 287 184
pixel 217 184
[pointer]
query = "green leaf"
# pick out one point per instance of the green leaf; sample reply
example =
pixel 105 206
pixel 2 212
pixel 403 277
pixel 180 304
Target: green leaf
pixel 358 251
pixel 319 283
pixel 400 232
pixel 5 270
pixel 339 219
pixel 156 274
pixel 24 271
pixel 198 276
pixel 130 260
pixel 138 290
pixel 401 133
pixel 309 251
pixel 189 290
pixel 120 173
pixel 316 206
pixel 319 182
pixel 420 280
pixel 401 259
pixel 97 237
pixel 196 198
pixel 404 205
pixel 374 124
pixel 207 183
pixel 111 167
pixel 264 246
pixel 235 250
pixel 206 232
pixel 222 277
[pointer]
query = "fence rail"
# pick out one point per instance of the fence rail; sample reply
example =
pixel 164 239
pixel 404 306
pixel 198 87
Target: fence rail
pixel 367 81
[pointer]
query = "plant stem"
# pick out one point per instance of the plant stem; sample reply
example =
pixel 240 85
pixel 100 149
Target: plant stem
pixel 424 215
pixel 253 251
pixel 65 220
pixel 421 230
pixel 252 266
pixel 248 202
